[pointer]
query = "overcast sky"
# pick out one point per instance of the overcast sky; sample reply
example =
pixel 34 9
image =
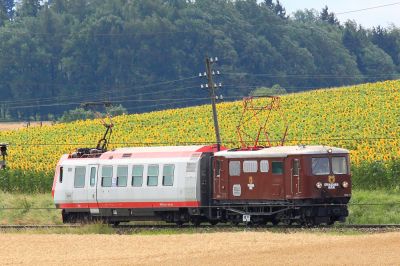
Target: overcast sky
pixel 383 16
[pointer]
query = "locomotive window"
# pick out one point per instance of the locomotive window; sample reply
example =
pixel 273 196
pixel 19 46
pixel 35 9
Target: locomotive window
pixel 106 176
pixel 137 175
pixel 320 166
pixel 250 166
pixel 61 173
pixel 218 168
pixel 79 178
pixel 234 168
pixel 122 176
pixel 296 167
pixel 92 176
pixel 168 175
pixel 264 166
pixel 152 175
pixel 339 165
pixel 277 168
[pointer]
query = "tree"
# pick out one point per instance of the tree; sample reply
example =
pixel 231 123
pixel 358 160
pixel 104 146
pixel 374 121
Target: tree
pixel 328 17
pixel 29 8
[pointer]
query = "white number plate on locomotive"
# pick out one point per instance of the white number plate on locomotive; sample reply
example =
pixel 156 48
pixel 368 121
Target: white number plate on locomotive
pixel 246 218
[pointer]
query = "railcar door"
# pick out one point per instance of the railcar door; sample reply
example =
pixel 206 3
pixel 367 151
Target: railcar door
pixel 92 189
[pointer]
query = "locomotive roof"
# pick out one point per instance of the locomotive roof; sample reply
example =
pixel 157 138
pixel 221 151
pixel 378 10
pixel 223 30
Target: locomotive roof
pixel 282 151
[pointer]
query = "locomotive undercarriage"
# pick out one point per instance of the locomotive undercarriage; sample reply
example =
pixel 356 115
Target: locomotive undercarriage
pixel 307 212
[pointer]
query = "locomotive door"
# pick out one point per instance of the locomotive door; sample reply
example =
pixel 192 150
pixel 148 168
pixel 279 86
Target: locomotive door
pixel 92 191
pixel 296 176
pixel 220 180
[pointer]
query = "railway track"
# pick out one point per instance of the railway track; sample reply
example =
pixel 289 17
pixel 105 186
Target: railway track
pixel 221 227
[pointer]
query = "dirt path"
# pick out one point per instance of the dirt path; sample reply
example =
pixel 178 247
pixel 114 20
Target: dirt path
pixel 199 249
pixel 18 125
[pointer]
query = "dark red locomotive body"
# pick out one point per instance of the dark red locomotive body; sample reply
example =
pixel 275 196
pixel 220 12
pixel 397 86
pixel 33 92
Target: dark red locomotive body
pixel 303 184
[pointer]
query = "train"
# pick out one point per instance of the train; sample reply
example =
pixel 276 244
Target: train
pixel 306 185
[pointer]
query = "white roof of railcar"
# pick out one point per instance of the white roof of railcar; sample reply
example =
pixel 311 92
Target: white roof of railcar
pixel 282 151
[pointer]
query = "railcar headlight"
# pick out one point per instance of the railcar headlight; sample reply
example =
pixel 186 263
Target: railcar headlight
pixel 345 184
pixel 318 185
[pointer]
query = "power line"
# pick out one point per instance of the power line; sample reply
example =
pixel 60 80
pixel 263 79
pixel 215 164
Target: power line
pixel 368 8
pixel 208 142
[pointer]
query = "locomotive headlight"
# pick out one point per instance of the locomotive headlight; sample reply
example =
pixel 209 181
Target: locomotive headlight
pixel 345 184
pixel 318 185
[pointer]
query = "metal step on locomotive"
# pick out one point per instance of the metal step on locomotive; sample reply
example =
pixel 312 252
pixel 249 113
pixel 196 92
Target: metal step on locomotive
pixel 307 185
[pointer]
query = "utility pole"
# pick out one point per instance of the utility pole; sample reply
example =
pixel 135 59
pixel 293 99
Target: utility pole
pixel 212 87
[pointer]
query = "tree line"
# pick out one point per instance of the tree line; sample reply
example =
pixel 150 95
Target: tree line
pixel 56 54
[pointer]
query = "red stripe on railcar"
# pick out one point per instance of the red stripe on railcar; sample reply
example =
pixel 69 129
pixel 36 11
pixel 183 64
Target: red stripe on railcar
pixel 123 205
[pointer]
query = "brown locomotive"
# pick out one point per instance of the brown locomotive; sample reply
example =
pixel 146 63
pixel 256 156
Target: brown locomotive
pixel 303 184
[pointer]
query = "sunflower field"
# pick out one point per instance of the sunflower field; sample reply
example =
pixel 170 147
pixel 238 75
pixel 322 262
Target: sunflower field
pixel 364 119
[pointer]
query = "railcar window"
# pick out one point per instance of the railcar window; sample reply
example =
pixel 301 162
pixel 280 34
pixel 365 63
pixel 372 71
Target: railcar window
pixel 106 176
pixel 152 175
pixel 264 166
pixel 168 175
pixel 234 168
pixel 277 168
pixel 61 174
pixel 320 166
pixel 296 167
pixel 250 166
pixel 137 175
pixel 92 176
pixel 79 177
pixel 339 165
pixel 122 176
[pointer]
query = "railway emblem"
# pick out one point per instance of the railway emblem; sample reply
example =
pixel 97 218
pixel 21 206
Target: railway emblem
pixel 331 182
pixel 250 184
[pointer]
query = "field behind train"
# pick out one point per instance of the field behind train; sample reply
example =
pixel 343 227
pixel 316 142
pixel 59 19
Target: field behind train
pixel 364 119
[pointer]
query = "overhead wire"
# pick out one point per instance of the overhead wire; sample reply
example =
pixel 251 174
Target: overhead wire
pixel 367 8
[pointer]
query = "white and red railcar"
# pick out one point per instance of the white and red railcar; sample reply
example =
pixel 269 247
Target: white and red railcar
pixel 305 184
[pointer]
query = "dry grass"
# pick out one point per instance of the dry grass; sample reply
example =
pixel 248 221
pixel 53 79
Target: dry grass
pixel 18 125
pixel 249 248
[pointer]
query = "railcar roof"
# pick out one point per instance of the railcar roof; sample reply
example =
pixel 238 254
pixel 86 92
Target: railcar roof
pixel 282 151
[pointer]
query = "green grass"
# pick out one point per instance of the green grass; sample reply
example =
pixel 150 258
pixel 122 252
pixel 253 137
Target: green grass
pixel 367 207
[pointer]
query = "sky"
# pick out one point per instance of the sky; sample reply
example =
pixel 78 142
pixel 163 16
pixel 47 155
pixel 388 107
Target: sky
pixel 383 16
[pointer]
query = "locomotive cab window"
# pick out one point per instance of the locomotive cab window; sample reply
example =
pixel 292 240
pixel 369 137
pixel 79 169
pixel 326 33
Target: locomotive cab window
pixel 122 176
pixel 137 175
pixel 79 177
pixel 320 166
pixel 277 168
pixel 339 165
pixel 152 175
pixel 168 175
pixel 106 176
pixel 217 168
pixel 296 167
pixel 250 166
pixel 234 168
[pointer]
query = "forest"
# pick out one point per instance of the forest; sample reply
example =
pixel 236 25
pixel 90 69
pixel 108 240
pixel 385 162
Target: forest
pixel 147 55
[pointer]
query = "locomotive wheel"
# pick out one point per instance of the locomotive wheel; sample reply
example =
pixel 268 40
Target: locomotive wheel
pixel 274 222
pixel 213 222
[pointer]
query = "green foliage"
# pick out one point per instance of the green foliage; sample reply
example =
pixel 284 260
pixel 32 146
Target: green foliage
pixel 18 181
pixel 275 90
pixel 77 114
pixel 60 50
pixel 377 175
